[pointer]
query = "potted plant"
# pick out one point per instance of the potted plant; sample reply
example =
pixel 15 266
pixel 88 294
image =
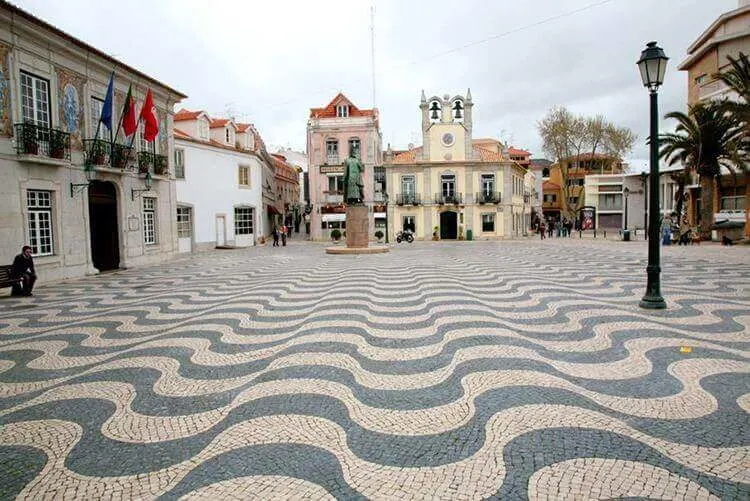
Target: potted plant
pixel 29 140
pixel 119 156
pixel 460 232
pixel 160 165
pixel 144 162
pixel 57 143
pixel 98 152
pixel 336 235
pixel 379 235
pixel 436 233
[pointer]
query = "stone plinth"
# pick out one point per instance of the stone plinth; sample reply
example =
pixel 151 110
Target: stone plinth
pixel 357 225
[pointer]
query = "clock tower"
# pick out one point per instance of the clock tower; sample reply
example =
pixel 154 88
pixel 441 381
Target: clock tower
pixel 446 128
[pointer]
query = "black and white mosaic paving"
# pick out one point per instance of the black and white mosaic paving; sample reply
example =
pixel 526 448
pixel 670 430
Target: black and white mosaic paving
pixel 472 370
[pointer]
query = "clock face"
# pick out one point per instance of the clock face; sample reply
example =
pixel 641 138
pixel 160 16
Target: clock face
pixel 448 139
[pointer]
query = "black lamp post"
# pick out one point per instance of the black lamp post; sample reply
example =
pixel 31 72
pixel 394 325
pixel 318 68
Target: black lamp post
pixel 653 65
pixel 644 180
pixel 385 197
pixel 625 194
pixel 148 180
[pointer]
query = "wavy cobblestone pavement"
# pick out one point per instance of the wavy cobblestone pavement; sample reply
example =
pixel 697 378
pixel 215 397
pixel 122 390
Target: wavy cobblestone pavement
pixel 504 370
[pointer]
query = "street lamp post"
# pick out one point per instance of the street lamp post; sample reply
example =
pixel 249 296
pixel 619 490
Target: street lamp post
pixel 385 197
pixel 652 66
pixel 625 194
pixel 644 180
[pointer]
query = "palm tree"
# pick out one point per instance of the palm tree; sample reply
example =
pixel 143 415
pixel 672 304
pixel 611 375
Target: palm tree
pixel 705 139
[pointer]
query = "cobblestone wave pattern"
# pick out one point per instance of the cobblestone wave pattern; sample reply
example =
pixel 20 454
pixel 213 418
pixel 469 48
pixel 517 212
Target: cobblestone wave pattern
pixel 489 370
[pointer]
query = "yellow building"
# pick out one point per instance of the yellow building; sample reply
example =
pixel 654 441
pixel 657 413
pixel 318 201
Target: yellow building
pixel 451 187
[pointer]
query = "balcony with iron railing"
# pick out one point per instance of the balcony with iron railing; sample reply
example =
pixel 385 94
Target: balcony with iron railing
pixel 102 153
pixel 488 197
pixel 452 199
pixel 42 140
pixel 157 164
pixel 408 199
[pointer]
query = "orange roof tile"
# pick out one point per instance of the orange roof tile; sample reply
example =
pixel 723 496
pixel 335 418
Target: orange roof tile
pixel 329 111
pixel 549 185
pixel 516 151
pixel 408 156
pixel 243 127
pixel 485 155
pixel 219 122
pixel 184 114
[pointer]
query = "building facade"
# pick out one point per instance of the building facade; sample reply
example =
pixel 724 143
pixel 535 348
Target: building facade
pixel 563 193
pixel 727 36
pixel 219 178
pixel 452 187
pixel 333 132
pixel 287 190
pixel 116 213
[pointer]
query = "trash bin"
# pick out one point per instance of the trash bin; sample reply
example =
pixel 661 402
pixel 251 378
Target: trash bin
pixel 626 235
pixel 469 234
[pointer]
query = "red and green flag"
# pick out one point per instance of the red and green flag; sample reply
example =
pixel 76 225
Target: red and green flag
pixel 129 122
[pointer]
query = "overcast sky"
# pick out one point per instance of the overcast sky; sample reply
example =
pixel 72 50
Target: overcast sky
pixel 268 62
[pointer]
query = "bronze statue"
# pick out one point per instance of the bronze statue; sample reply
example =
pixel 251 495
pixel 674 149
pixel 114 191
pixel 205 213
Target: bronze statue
pixel 353 185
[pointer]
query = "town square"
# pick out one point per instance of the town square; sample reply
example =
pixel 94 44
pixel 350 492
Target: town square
pixel 375 250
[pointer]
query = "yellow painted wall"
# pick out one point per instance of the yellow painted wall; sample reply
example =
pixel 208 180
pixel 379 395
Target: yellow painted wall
pixel 438 150
pixel 418 213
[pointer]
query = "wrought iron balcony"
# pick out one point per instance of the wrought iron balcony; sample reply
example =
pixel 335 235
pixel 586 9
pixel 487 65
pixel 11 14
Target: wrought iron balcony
pixel 452 199
pixel 408 199
pixel 33 139
pixel 492 197
pixel 334 197
pixel 101 153
pixel 157 164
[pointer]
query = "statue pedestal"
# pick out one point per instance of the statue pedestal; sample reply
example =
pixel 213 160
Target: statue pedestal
pixel 357 225
pixel 357 236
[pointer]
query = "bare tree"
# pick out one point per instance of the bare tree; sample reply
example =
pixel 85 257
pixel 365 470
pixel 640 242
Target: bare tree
pixel 571 139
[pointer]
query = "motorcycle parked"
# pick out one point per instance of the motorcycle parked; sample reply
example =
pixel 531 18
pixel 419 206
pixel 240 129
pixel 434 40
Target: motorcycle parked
pixel 404 235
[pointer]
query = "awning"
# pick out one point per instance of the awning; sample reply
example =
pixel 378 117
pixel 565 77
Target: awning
pixel 272 210
pixel 333 217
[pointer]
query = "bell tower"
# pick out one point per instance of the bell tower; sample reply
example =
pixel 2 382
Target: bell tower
pixel 446 128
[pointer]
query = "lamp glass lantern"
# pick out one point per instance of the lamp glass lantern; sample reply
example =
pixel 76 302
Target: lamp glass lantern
pixel 653 66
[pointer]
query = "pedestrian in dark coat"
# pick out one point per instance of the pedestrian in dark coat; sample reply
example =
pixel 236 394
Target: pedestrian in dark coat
pixel 23 270
pixel 275 236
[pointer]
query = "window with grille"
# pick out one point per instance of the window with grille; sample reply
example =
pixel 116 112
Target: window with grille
pixel 184 222
pixel 243 220
pixel 179 163
pixel 39 205
pixel 244 175
pixel 96 115
pixel 35 99
pixel 149 220
pixel 488 222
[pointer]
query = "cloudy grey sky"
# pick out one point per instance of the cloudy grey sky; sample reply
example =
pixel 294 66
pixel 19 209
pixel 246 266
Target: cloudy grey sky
pixel 270 61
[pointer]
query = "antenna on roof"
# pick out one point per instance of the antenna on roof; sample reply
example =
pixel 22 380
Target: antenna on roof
pixel 372 49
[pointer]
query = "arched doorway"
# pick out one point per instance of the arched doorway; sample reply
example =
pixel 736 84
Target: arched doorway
pixel 105 241
pixel 448 225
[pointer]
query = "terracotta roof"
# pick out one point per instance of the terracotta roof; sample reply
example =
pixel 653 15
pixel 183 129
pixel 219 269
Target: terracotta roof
pixel 243 127
pixel 408 157
pixel 549 185
pixel 329 111
pixel 516 151
pixel 184 114
pixel 219 122
pixel 485 155
pixel 182 135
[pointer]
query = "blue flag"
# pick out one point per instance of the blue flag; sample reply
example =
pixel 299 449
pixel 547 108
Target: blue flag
pixel 106 117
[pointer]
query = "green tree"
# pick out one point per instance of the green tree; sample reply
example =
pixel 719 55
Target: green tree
pixel 705 139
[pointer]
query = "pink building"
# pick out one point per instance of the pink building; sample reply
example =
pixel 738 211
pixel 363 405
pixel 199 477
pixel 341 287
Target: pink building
pixel 333 131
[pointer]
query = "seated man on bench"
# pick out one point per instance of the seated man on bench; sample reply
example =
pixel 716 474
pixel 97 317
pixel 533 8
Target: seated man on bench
pixel 23 270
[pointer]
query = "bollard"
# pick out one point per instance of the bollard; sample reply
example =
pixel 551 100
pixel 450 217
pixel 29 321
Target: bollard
pixel 605 234
pixel 594 232
pixel 580 234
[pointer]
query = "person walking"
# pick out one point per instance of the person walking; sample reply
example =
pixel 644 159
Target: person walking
pixel 283 234
pixel 275 236
pixel 542 228
pixel 23 271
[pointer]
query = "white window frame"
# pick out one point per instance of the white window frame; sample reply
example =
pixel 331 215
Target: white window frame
pixel 149 221
pixel 487 180
pixel 203 129
pixel 342 110
pixel 448 185
pixel 40 230
pixel 244 220
pixel 179 163
pixel 184 221
pixel 35 108
pixel 491 216
pixel 356 145
pixel 408 185
pixel 243 174
pixel 335 184
pixel 96 114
